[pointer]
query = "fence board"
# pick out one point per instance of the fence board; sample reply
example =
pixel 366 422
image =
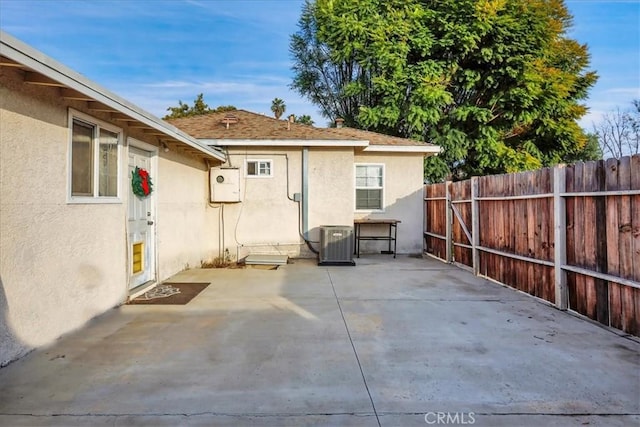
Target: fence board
pixel 630 318
pixel 591 229
pixel 635 214
pixel 624 220
pixel 579 239
pixel 613 257
pixel 570 237
pixel 462 191
pixel 633 295
pixel 435 220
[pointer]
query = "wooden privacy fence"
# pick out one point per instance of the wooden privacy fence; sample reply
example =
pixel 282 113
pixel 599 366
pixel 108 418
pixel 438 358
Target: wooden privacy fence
pixel 569 235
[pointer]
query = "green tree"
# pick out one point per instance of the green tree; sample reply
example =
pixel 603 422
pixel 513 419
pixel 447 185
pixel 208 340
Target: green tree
pixel 222 108
pixel 305 119
pixel 199 107
pixel 278 107
pixel 496 83
pixel 590 151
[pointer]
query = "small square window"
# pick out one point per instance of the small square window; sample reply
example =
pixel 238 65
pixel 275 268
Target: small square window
pixel 259 168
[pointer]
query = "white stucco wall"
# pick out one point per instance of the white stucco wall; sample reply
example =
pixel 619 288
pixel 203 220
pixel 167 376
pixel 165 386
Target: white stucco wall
pixel 403 198
pixel 62 264
pixel 187 227
pixel 266 220
pixel 331 188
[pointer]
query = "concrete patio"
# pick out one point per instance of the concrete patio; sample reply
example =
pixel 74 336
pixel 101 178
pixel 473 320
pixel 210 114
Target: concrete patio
pixel 390 342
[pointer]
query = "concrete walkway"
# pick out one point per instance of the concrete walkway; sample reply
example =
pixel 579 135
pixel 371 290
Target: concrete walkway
pixel 404 342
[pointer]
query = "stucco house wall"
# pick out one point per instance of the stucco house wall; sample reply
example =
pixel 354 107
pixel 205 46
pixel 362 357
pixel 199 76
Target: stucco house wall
pixel 187 227
pixel 61 263
pixel 266 219
pixel 331 188
pixel 403 199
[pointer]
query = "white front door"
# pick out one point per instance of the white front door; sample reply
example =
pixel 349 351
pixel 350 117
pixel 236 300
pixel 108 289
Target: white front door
pixel 141 224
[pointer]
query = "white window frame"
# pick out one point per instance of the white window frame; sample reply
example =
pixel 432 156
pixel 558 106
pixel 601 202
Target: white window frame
pixel 99 124
pixel 258 161
pixel 356 188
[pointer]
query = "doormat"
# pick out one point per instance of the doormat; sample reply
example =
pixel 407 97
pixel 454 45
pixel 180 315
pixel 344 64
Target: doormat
pixel 170 294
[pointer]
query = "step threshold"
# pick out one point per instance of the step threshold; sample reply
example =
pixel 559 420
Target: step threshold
pixel 257 259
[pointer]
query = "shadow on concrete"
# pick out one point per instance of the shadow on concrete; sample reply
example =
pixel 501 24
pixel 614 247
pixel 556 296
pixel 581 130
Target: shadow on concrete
pixel 11 348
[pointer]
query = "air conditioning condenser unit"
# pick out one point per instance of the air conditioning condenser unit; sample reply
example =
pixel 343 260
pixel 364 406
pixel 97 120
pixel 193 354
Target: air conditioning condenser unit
pixel 336 245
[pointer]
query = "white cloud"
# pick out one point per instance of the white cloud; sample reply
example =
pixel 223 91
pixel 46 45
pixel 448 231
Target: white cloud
pixel 156 97
pixel 629 92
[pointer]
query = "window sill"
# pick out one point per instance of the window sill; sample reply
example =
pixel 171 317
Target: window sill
pixel 360 211
pixel 94 201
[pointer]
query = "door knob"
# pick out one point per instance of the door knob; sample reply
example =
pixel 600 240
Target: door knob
pixel 149 222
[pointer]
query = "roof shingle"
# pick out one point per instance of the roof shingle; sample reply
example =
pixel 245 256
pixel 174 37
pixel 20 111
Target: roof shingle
pixel 221 126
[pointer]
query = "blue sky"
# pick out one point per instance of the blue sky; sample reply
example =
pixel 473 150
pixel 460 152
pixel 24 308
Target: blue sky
pixel 156 52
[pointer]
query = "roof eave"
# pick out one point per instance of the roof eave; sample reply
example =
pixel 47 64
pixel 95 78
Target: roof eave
pixel 424 149
pixel 283 142
pixel 26 55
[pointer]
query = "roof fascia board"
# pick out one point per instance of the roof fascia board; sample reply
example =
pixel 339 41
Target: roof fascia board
pixel 433 149
pixel 285 142
pixel 26 55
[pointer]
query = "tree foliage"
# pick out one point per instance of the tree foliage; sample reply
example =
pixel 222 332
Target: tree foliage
pixel 496 83
pixel 590 151
pixel 304 119
pixel 199 107
pixel 278 107
pixel 618 132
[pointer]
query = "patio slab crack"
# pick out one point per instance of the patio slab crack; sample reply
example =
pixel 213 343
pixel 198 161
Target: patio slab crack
pixel 355 352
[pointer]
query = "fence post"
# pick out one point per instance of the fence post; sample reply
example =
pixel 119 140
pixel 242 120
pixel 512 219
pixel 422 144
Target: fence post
pixel 475 226
pixel 560 236
pixel 424 219
pixel 449 219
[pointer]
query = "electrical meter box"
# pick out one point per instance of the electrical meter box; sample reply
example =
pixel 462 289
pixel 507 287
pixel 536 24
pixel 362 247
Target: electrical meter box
pixel 225 185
